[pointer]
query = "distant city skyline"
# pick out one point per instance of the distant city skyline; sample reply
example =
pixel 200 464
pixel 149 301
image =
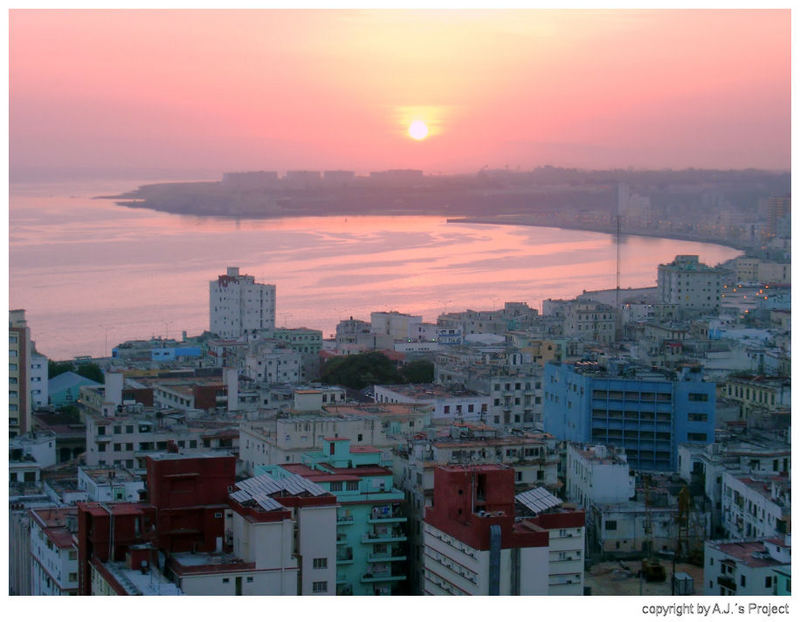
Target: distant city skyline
pixel 233 90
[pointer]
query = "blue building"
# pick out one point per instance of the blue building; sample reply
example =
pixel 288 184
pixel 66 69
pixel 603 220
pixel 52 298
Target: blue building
pixel 370 525
pixel 647 413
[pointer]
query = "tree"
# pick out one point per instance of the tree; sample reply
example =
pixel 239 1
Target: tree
pixel 91 371
pixel 418 372
pixel 360 370
pixel 56 368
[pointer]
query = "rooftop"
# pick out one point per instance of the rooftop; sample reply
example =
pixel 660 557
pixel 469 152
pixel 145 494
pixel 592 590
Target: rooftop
pixel 753 554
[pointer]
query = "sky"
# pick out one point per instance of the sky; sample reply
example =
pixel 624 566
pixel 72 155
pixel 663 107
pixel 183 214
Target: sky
pixel 226 90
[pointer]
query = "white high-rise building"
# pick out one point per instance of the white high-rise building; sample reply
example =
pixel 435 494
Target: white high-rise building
pixel 238 305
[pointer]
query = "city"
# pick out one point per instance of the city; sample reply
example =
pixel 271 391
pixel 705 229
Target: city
pixel 400 303
pixel 625 441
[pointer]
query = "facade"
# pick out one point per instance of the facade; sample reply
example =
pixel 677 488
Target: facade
pixel 370 536
pixel 758 392
pixel 756 506
pixel 447 404
pixel 54 556
pixel 534 457
pixel 39 380
pixel 690 284
pixel 472 543
pixel 648 414
pixel 590 321
pixel 65 388
pixel 270 363
pixel 746 567
pixel 126 438
pixel 238 305
pixel 598 474
pixel 110 484
pixel 20 350
pixel 397 326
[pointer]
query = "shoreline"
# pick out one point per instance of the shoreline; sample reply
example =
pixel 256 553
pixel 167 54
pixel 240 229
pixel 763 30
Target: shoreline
pixel 521 222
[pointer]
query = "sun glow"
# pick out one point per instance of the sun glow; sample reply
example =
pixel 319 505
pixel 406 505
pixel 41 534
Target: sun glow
pixel 418 130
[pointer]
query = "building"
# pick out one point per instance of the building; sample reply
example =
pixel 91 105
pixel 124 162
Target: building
pixel 397 326
pixel 691 285
pixel 110 484
pixel 54 556
pixel 598 474
pixel 473 544
pixel 370 554
pixel 590 322
pixel 238 305
pixel 565 525
pixel 648 414
pixel 281 536
pixel 746 567
pixel 535 458
pixel 28 455
pixel 65 388
pixel 127 437
pixel 448 404
pixel 39 379
pixel 756 506
pixel 20 350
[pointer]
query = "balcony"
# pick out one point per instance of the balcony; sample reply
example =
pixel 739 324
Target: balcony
pixel 382 577
pixel 345 519
pixel 383 536
pixel 387 555
pixel 388 517
pixel 344 556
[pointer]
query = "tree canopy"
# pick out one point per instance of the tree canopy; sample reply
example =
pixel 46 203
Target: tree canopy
pixel 357 371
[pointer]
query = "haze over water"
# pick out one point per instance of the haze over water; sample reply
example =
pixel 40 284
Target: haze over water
pixel 91 274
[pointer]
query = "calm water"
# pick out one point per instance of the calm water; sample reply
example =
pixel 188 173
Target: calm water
pixel 91 274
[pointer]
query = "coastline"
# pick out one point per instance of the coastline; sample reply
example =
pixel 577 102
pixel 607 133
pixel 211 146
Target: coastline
pixel 522 222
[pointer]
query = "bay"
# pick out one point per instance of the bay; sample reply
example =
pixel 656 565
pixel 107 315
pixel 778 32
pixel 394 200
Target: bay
pixel 91 274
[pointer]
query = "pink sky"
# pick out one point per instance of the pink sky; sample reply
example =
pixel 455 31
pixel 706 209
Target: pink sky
pixel 231 90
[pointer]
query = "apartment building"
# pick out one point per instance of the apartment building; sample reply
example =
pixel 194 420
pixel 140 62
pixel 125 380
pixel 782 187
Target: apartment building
pixel 597 474
pixel 370 536
pixel 691 285
pixel 473 544
pixel 534 457
pixel 448 404
pixel 238 305
pixel 20 350
pixel 54 556
pixel 747 567
pixel 756 506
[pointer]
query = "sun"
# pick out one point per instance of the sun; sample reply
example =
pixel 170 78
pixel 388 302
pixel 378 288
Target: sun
pixel 418 130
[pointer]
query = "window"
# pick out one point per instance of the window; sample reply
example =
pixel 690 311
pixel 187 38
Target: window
pixel 336 486
pixel 128 429
pixel 698 397
pixel 611 525
pixel 768 581
pixel 226 580
pixel 698 417
pixel 319 587
pixel 320 562
pixel 697 436
pixel 351 485
pixel 742 580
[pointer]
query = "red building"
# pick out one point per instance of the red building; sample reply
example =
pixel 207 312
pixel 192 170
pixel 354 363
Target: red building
pixel 187 496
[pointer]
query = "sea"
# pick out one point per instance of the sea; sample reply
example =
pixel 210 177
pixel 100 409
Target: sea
pixel 91 274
